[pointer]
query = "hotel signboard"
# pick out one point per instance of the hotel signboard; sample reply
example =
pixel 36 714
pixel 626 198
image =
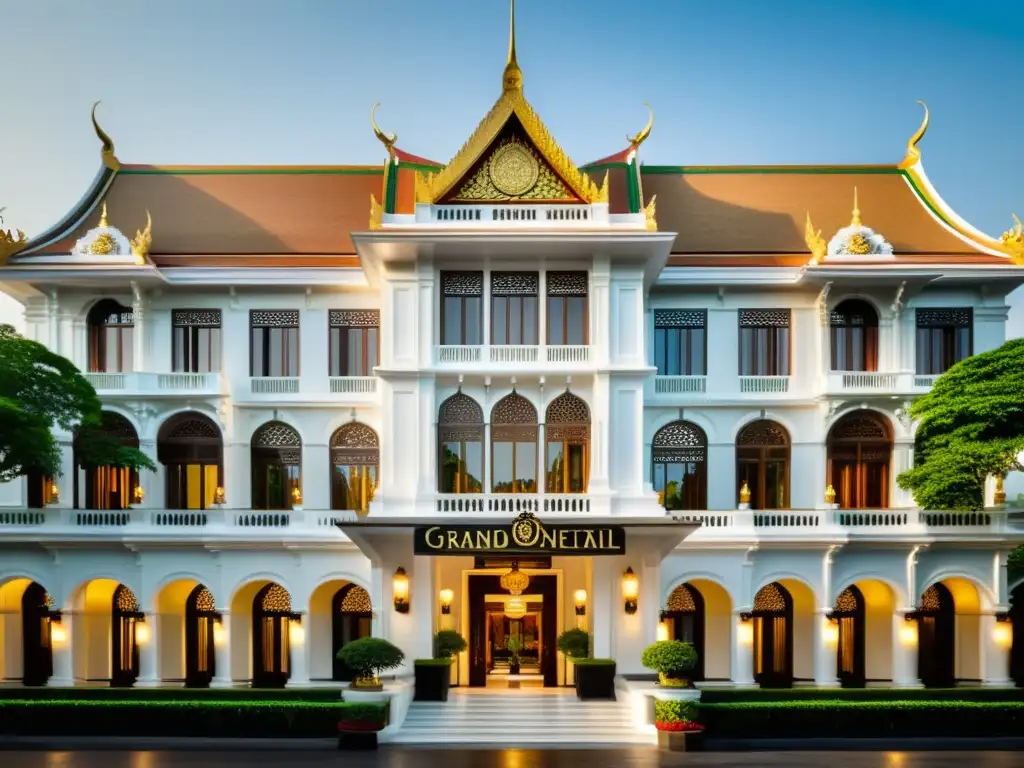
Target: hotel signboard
pixel 526 535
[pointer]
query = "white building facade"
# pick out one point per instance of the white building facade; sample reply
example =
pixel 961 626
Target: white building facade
pixel 705 379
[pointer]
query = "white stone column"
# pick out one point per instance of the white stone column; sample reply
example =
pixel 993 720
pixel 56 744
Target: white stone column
pixel 742 664
pixel 605 599
pixel 139 339
pixel 222 652
pixel 152 483
pixel 149 675
pixel 902 460
pixel 298 642
pixel 542 457
pixel 316 480
pixel 904 652
pixel 63 661
pixel 825 636
pixel 995 643
pixel 723 490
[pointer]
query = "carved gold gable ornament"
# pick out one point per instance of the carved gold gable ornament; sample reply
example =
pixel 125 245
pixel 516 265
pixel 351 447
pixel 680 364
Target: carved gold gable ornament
pixel 513 170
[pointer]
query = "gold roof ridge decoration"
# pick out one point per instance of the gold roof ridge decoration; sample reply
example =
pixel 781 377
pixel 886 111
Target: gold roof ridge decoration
pixel 641 137
pixel 431 187
pixel 913 156
pixel 142 241
pixel 11 240
pixel 815 242
pixel 1013 241
pixel 388 141
pixel 107 151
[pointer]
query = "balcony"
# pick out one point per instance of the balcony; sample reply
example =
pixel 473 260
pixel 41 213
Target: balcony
pixel 875 383
pixel 297 388
pixel 140 384
pixel 513 356
pixel 764 385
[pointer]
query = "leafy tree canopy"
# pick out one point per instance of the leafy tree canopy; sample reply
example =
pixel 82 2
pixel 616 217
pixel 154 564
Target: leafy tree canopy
pixel 971 426
pixel 40 389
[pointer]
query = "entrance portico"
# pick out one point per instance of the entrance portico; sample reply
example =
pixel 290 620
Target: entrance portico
pixel 429 575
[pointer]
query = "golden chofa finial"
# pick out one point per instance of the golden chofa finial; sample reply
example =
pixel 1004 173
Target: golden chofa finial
pixel 143 241
pixel 11 241
pixel 815 242
pixel 640 138
pixel 107 152
pixel 512 79
pixel 383 138
pixel 913 155
pixel 1013 241
pixel 855 218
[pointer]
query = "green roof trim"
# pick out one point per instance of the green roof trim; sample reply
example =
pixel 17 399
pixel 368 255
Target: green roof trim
pixel 677 170
pixel 604 166
pixel 252 171
pixel 419 166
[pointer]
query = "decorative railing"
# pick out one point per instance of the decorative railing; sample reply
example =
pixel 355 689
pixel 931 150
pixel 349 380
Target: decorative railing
pixel 513 355
pixel 864 381
pixel 520 215
pixel 680 385
pixel 764 385
pixel 353 385
pixel 274 385
pixel 141 382
pixel 513 504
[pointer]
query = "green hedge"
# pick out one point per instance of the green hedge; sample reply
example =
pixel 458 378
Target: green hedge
pixel 725 695
pixel 183 718
pixel 861 719
pixel 594 662
pixel 172 694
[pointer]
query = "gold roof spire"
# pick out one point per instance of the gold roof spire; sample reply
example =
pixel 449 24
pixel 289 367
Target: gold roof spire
pixel 512 78
pixel 103 216
pixel 855 219
pixel 107 151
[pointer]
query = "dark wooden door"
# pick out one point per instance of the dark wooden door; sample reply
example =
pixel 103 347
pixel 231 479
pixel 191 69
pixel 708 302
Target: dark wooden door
pixel 37 655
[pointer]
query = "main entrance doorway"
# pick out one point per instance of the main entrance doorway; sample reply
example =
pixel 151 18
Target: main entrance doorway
pixel 499 636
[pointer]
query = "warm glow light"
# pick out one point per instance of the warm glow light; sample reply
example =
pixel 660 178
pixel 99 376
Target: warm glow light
pixel 662 631
pixel 908 633
pixel 745 633
pixel 400 590
pixel 139 494
pixel 447 596
pixel 142 633
pixel 515 608
pixel 296 633
pixel 830 633
pixel 219 636
pixel 58 635
pixel 580 596
pixel 1002 634
pixel 630 590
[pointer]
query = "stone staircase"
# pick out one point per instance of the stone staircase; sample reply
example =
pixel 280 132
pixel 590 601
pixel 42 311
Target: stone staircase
pixel 519 720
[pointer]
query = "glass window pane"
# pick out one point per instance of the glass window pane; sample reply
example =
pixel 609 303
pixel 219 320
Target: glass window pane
pixel 782 352
pixel 660 361
pixel 334 352
pixel 293 352
pixel 530 320
pixel 526 467
pixel 275 352
pixel 515 320
pixel 356 352
pixel 555 468
pixel 697 353
pixel 556 319
pixel 501 471
pixel 473 481
pixel 673 355
pixel 127 350
pixel 474 320
pixel 499 320
pixel 452 320
pixel 178 353
pixel 258 362
pixel 214 365
pixel 372 350
pixel 576 332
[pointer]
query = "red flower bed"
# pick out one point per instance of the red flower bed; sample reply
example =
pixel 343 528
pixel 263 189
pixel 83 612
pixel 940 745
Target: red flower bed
pixel 679 726
pixel 363 725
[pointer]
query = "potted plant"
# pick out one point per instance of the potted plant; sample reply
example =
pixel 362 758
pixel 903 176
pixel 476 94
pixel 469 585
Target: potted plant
pixel 359 723
pixel 514 644
pixel 673 660
pixel 574 643
pixel 675 720
pixel 367 657
pixel 433 676
pixel 595 678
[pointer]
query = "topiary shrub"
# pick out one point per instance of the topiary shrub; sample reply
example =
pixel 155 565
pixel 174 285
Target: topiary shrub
pixel 673 660
pixel 368 657
pixel 448 643
pixel 676 715
pixel 574 643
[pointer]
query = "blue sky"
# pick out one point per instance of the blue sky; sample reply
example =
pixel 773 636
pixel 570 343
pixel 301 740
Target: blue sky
pixel 731 81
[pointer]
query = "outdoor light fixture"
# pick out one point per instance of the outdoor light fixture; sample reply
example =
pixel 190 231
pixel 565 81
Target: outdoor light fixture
pixel 446 596
pixel 581 602
pixel 515 581
pixel 662 631
pixel 142 633
pixel 515 608
pixel 296 633
pixel 296 496
pixel 830 632
pixel 54 494
pixel 1002 632
pixel 908 630
pixel 138 494
pixel 218 497
pixel 58 634
pixel 400 590
pixel 630 590
pixel 219 635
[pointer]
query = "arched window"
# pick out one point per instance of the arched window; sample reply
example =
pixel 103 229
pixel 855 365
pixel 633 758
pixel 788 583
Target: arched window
pixel 859 450
pixel 854 336
pixel 276 466
pixel 124 651
pixel 762 462
pixel 685 611
pixel 514 445
pixel 773 636
pixel 200 659
pixel 848 614
pixel 568 444
pixel 190 447
pixel 460 427
pixel 355 456
pixel 936 637
pixel 111 328
pixel 106 487
pixel 271 652
pixel 679 455
pixel 37 652
pixel 351 619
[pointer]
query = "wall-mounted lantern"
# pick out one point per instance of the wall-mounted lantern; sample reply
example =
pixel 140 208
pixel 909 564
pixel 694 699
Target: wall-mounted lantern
pixel 580 598
pixel 630 590
pixel 446 596
pixel 400 591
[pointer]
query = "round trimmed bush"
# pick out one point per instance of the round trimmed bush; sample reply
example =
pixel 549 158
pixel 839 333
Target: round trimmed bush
pixel 671 659
pixel 447 643
pixel 574 643
pixel 369 656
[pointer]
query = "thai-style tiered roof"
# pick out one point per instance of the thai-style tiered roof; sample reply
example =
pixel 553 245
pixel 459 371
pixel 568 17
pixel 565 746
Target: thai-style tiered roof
pixel 724 216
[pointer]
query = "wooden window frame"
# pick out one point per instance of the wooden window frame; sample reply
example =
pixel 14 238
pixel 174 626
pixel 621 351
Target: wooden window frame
pixel 265 343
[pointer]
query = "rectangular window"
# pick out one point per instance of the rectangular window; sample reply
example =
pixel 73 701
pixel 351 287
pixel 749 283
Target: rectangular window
pixel 514 309
pixel 462 316
pixel 568 317
pixel 354 341
pixel 195 340
pixel 764 342
pixel 944 338
pixel 680 342
pixel 275 343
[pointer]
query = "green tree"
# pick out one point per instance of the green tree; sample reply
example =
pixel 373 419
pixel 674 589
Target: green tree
pixel 971 426
pixel 38 390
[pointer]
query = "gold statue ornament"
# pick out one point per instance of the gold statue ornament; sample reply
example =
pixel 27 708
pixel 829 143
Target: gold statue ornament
pixel 651 222
pixel 745 493
pixel 11 241
pixel 815 242
pixel 107 152
pixel 1013 241
pixel 143 241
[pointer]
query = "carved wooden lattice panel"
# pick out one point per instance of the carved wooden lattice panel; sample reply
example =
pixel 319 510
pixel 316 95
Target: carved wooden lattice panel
pixel 462 283
pixel 567 283
pixel 858 426
pixel 680 318
pixel 274 434
pixel 855 313
pixel 681 600
pixel 125 600
pixel 680 442
pixel 944 318
pixel 117 427
pixel 930 600
pixel 276 600
pixel 355 443
pixel 460 419
pixel 763 432
pixel 770 599
pixel 196 318
pixel 568 419
pixel 204 601
pixel 193 427
pixel 274 318
pixel 846 602
pixel 354 318
pixel 514 283
pixel 356 600
pixel 764 318
pixel 514 418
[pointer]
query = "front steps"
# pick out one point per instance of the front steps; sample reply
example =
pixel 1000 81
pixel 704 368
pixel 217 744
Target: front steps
pixel 519 719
